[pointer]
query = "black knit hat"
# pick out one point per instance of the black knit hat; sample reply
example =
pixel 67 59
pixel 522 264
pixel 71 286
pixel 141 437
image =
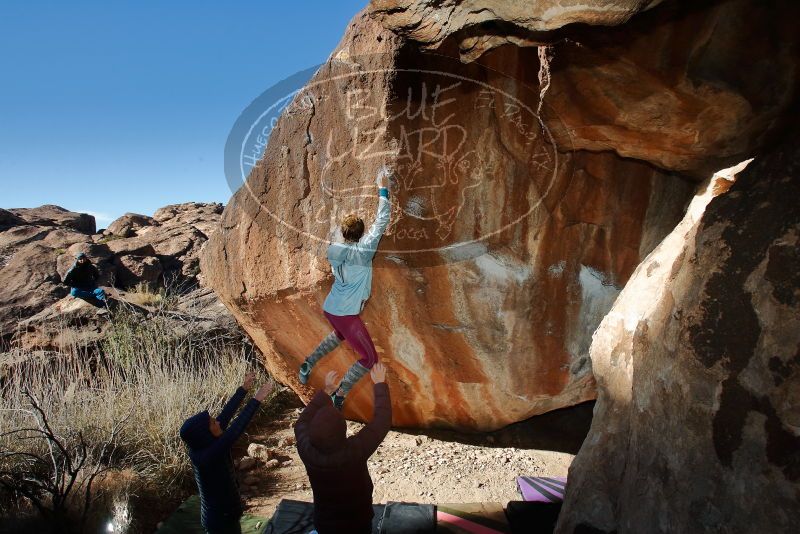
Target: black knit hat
pixel 195 432
pixel 328 429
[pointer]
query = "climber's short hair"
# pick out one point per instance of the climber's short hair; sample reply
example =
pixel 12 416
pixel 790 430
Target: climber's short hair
pixel 352 227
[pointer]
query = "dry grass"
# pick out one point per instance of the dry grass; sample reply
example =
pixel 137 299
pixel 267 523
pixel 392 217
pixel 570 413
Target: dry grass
pixel 143 295
pixel 146 374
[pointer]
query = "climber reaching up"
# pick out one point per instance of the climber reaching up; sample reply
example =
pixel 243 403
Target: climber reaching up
pixel 351 263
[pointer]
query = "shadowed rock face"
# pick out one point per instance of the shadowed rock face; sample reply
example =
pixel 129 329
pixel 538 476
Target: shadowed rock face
pixel 687 86
pixel 696 423
pixel 488 24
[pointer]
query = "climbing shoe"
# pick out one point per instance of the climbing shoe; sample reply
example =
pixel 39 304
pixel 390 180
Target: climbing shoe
pixel 338 401
pixel 305 372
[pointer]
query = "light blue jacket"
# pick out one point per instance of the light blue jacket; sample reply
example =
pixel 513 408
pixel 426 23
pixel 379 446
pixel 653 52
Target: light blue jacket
pixel 351 264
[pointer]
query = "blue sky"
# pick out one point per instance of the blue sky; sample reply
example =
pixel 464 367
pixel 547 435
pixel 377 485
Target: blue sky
pixel 110 107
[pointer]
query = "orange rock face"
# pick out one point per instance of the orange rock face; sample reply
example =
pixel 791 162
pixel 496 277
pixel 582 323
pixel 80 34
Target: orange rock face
pixel 503 254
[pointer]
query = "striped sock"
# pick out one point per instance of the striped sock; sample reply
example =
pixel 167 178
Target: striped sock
pixel 330 342
pixel 353 375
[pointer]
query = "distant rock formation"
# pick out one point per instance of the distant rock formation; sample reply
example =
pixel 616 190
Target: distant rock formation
pixel 55 216
pixel 129 224
pixel 38 246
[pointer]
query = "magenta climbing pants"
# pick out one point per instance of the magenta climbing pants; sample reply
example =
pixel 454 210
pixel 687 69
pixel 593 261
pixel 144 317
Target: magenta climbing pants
pixel 352 329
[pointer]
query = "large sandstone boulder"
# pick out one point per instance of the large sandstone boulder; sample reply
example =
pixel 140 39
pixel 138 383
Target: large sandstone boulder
pixel 697 422
pixel 516 221
pixel 503 255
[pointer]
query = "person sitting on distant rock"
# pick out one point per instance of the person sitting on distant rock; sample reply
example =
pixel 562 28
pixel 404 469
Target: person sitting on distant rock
pixel 209 441
pixel 82 278
pixel 337 465
pixel 351 263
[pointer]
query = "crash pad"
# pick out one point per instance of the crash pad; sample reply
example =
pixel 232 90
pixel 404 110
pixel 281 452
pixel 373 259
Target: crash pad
pixel 408 518
pixel 532 517
pixel 297 517
pixel 186 520
pixel 472 518
pixel 542 489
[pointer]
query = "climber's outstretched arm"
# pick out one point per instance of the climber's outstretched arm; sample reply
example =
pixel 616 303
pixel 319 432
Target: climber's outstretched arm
pixel 370 437
pixel 369 242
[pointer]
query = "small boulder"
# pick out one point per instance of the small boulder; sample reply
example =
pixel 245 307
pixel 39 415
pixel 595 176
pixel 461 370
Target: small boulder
pixel 259 451
pixel 70 322
pixel 272 464
pixel 129 224
pixel 133 270
pixel 286 441
pixel 131 247
pixel 250 480
pixel 247 463
pixel 60 238
pixel 177 242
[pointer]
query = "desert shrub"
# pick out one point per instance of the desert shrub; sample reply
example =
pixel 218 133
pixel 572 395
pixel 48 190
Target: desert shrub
pixel 54 471
pixel 146 376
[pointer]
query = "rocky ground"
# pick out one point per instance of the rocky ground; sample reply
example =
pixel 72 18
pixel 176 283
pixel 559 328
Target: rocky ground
pixel 444 467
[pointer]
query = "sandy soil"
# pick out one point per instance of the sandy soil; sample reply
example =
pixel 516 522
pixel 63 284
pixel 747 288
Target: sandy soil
pixel 443 468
